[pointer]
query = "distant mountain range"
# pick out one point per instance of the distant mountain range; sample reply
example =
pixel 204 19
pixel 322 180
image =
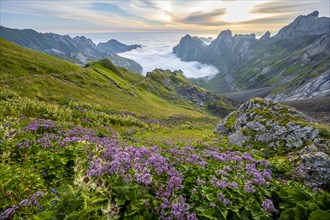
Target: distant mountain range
pixel 78 50
pixel 293 64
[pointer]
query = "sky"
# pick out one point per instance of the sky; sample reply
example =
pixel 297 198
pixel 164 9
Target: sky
pixel 210 17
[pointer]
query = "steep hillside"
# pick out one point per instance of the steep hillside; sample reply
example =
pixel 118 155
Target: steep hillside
pixel 78 50
pixel 99 83
pixel 291 65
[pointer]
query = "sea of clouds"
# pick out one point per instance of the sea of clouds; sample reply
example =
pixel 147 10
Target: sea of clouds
pixel 156 52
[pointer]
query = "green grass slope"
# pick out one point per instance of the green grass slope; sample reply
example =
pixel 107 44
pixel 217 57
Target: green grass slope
pixel 57 81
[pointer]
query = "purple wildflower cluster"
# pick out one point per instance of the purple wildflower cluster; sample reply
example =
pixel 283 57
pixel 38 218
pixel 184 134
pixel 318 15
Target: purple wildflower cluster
pixel 268 206
pixel 32 200
pixel 59 137
pixel 39 123
pixel 161 171
pixel 140 165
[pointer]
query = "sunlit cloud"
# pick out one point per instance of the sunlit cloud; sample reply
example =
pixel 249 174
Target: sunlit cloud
pixel 156 16
pixel 209 18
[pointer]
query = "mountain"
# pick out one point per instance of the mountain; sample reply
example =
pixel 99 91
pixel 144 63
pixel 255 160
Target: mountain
pixel 115 46
pixel 78 49
pixel 284 67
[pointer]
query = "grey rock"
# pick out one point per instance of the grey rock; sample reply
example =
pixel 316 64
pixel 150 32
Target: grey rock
pixel 237 138
pixel 316 87
pixel 221 129
pixel 255 126
pixel 315 168
pixel 308 149
pixel 266 137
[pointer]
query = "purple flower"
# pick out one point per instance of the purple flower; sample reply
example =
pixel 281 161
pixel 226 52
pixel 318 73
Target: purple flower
pixel 146 179
pixel 268 174
pixel 248 187
pixel 226 201
pixel 37 195
pixel 221 172
pixel 212 205
pixel 268 206
pixel 222 199
pixel 192 216
pixel 180 211
pixel 213 181
pixel 222 184
pixel 8 212
pixel 233 185
pixel 24 203
pixel 227 168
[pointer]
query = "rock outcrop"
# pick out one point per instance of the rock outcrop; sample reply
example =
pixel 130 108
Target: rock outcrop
pixel 276 129
pixel 310 24
pixel 317 87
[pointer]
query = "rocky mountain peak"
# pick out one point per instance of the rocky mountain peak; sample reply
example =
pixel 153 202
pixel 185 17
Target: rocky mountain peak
pixel 187 43
pixel 224 34
pixel 266 36
pixel 305 25
pixel 314 14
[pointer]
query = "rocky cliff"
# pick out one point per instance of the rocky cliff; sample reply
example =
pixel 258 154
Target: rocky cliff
pixel 294 57
pixel 310 24
pixel 78 49
pixel 277 130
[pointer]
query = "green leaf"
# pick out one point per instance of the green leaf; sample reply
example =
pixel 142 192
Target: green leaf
pixel 208 213
pixel 287 214
pixel 301 212
pixel 319 215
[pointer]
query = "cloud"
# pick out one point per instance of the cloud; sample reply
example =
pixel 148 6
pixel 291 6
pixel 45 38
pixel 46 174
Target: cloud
pixel 156 55
pixel 209 18
pixel 283 6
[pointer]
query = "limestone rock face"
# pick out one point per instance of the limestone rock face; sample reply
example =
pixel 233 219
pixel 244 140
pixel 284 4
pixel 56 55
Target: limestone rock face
pixel 307 25
pixel 317 87
pixel 315 169
pixel 276 129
